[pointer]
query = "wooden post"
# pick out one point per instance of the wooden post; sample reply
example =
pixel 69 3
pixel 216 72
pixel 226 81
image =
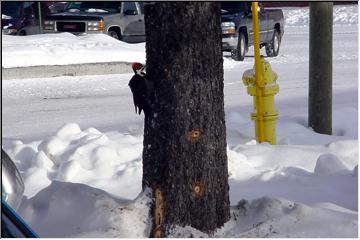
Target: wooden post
pixel 40 18
pixel 320 67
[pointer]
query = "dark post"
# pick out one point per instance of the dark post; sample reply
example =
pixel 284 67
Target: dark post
pixel 40 17
pixel 320 67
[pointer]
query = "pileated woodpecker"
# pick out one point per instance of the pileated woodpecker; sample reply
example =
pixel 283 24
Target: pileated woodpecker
pixel 141 89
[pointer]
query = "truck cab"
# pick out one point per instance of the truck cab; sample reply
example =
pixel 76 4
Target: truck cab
pixel 119 19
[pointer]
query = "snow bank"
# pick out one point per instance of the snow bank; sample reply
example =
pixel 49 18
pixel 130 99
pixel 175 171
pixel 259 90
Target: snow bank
pixel 66 48
pixel 82 211
pixel 325 172
pixel 77 210
pixel 342 15
pixel 87 157
pixel 113 163
pixel 278 218
pixel 329 164
pixel 306 176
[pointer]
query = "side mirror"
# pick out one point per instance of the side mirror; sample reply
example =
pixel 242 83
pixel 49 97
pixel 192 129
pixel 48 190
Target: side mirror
pixel 130 12
pixel 261 7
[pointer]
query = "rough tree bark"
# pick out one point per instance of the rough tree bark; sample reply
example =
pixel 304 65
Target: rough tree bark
pixel 184 156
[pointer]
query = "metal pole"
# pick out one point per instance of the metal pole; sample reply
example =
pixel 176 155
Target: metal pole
pixel 320 67
pixel 258 77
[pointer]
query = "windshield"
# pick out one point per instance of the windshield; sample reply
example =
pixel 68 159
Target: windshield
pixel 11 9
pixel 234 7
pixel 112 7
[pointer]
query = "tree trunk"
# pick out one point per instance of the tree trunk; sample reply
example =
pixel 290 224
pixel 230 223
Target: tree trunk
pixel 184 156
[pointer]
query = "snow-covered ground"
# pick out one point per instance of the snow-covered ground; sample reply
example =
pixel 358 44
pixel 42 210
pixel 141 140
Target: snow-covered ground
pixel 78 142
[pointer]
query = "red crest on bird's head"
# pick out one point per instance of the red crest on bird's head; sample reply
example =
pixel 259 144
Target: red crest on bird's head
pixel 136 66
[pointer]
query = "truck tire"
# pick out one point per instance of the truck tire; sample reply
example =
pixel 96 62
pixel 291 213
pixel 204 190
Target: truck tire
pixel 272 48
pixel 238 54
pixel 114 34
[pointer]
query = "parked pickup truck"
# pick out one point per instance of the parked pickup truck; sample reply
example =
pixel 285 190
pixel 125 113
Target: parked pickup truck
pixel 121 20
pixel 237 29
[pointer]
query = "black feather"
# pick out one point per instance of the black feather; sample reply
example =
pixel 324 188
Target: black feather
pixel 140 93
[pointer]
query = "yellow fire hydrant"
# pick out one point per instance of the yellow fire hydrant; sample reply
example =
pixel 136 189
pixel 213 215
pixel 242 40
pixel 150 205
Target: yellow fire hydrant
pixel 265 123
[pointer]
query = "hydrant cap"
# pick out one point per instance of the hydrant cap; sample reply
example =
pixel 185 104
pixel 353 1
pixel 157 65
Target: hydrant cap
pixel 249 77
pixel 269 74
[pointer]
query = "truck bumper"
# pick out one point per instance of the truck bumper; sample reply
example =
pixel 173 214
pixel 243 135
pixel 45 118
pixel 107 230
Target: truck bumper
pixel 75 33
pixel 229 42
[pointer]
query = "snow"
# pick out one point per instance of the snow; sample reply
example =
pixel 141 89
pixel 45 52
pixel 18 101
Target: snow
pixel 342 15
pixel 3 16
pixel 106 216
pixel 66 48
pixel 328 164
pixel 78 143
pixel 278 218
pixel 89 157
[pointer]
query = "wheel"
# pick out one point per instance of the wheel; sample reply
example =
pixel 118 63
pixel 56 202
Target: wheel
pixel 238 54
pixel 272 48
pixel 114 34
pixel 22 33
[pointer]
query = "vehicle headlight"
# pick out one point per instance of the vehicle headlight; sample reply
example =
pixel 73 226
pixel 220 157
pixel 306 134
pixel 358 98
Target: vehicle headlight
pixel 228 28
pixel 93 24
pixel 93 28
pixel 8 31
pixel 49 25
pixel 49 22
pixel 228 24
pixel 96 26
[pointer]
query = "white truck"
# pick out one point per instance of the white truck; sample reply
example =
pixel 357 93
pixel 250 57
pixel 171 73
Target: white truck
pixel 121 20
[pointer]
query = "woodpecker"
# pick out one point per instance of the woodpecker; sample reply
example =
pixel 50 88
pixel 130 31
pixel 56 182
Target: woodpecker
pixel 141 89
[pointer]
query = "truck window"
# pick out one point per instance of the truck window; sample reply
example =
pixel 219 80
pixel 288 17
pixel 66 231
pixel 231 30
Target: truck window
pixel 113 7
pixel 73 5
pixel 234 7
pixel 11 9
pixel 28 9
pixel 130 6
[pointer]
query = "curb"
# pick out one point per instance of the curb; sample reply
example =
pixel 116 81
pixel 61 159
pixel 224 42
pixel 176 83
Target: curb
pixel 47 71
